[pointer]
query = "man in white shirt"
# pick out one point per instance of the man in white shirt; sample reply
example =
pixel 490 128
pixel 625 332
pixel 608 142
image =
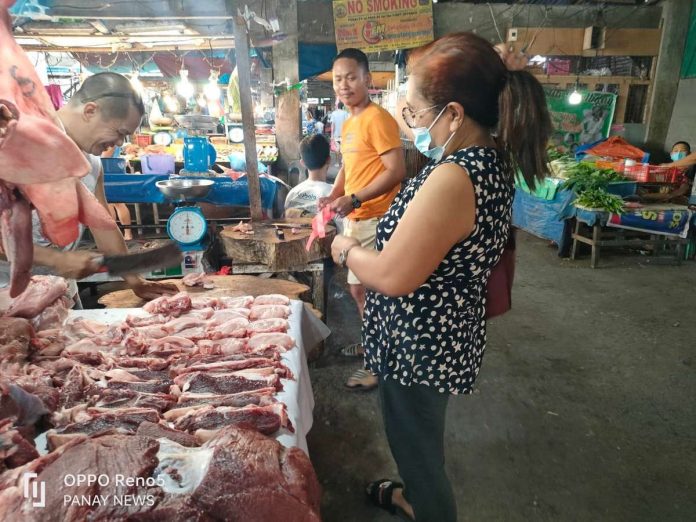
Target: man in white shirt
pixel 101 114
pixel 337 119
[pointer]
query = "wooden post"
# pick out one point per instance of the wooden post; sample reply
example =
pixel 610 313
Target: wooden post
pixel 241 45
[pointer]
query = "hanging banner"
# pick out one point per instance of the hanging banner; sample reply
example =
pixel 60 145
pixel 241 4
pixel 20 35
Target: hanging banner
pixel 382 25
pixel 580 124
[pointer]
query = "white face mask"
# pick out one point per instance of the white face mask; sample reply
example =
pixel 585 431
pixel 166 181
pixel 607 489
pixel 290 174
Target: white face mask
pixel 422 139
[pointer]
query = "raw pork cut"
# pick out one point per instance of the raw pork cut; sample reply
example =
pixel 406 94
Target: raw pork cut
pixel 264 419
pixel 229 382
pixel 228 346
pixel 174 305
pixel 272 299
pixel 265 340
pixel 268 326
pixel 41 292
pixel 269 312
pixel 237 302
pixel 15 449
pixel 236 327
pixel 222 316
pixel 131 457
pixel 279 483
pixel 15 336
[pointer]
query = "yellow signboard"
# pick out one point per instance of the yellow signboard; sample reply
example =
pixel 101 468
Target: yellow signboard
pixel 382 25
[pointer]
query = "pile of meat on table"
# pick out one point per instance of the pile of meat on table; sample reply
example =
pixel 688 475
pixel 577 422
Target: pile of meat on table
pixel 184 392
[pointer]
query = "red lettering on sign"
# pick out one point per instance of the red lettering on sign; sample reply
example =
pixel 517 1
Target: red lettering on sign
pixel 355 6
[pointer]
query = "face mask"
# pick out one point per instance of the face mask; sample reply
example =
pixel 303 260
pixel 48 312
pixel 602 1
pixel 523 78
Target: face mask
pixel 422 139
pixel 676 156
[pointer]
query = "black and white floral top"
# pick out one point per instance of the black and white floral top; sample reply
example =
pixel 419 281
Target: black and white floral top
pixel 436 335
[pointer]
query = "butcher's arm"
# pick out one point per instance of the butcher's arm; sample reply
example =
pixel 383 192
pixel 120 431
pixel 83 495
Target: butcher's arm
pixel 441 214
pixel 336 192
pixel 393 174
pixel 110 241
pixel 72 265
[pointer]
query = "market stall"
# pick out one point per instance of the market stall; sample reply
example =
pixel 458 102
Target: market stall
pixel 602 193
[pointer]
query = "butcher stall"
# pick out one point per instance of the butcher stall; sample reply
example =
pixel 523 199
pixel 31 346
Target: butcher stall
pixel 194 406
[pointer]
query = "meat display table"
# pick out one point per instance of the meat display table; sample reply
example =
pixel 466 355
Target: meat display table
pixel 297 394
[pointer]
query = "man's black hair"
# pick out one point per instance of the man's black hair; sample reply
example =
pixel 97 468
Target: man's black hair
pixel 113 92
pixel 340 105
pixel 315 151
pixel 357 55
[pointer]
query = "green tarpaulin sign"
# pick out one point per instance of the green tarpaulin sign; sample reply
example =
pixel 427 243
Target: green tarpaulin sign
pixel 580 124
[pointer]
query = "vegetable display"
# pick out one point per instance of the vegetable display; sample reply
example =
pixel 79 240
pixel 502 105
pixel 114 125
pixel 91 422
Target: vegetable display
pixel 599 198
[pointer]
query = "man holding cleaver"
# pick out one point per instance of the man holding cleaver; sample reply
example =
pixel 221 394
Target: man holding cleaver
pixel 102 113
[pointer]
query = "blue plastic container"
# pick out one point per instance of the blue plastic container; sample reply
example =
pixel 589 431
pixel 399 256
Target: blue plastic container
pixel 623 188
pixel 114 165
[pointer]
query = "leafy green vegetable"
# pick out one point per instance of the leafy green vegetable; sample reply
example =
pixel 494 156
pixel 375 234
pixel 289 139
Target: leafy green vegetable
pixel 584 176
pixel 600 198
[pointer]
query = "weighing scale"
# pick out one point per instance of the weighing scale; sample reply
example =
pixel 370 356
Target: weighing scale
pixel 187 225
pixel 199 153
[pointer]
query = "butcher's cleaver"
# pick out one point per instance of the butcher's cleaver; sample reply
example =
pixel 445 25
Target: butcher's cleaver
pixel 145 261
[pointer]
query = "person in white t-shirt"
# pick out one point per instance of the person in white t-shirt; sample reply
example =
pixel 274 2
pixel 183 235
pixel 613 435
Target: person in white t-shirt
pixel 316 156
pixel 337 119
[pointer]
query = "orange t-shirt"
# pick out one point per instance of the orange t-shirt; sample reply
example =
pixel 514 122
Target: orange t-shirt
pixel 364 139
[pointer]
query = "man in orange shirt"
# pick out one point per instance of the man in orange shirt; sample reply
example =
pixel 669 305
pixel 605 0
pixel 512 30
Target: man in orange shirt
pixel 372 171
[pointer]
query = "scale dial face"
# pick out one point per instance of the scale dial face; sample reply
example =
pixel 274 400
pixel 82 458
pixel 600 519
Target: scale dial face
pixel 187 226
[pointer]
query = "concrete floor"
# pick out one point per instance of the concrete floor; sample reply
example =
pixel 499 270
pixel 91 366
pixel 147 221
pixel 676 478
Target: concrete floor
pixel 584 407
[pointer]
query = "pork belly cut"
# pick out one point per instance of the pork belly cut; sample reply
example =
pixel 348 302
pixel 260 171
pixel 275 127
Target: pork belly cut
pixel 265 340
pixel 235 327
pixel 218 347
pixel 222 316
pixel 272 299
pixel 269 312
pixel 182 323
pixel 235 365
pixel 145 320
pixel 127 398
pixel 170 345
pixel 228 382
pixel 264 419
pixel 41 292
pixel 99 422
pixel 244 301
pixel 274 325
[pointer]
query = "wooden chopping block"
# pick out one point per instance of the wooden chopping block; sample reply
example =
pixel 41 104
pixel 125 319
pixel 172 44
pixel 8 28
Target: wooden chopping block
pixel 234 285
pixel 264 247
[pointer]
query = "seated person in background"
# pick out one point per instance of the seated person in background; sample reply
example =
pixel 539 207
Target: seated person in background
pixel 119 209
pixel 681 152
pixel 316 157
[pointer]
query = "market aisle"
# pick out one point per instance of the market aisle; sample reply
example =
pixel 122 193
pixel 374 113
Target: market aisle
pixel 584 408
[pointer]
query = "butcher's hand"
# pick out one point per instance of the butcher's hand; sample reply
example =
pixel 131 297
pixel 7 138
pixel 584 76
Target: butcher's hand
pixel 322 202
pixel 76 265
pixel 341 243
pixel 150 290
pixel 513 59
pixel 342 206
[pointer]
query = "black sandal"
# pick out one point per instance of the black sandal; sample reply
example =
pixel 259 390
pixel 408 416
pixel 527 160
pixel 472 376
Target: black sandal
pixel 380 493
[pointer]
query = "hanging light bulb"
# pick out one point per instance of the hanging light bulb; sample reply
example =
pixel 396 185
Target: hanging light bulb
pixel 171 103
pixel 136 83
pixel 212 89
pixel 185 87
pixel 574 98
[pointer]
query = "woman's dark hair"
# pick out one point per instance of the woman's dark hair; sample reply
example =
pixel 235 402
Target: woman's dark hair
pixel 685 143
pixel 354 54
pixel 315 151
pixel 465 68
